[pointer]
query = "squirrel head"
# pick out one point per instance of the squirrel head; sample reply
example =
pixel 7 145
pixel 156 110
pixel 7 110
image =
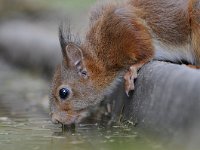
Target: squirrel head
pixel 72 89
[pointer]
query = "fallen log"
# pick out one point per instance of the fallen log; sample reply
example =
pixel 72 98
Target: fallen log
pixel 166 98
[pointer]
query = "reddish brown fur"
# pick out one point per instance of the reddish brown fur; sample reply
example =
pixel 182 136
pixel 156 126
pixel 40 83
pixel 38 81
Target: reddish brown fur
pixel 113 37
pixel 162 18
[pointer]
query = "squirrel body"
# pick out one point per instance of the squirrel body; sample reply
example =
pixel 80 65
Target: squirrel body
pixel 121 37
pixel 175 32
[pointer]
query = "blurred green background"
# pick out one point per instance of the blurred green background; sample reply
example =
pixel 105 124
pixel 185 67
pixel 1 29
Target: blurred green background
pixel 29 53
pixel 32 26
pixel 32 6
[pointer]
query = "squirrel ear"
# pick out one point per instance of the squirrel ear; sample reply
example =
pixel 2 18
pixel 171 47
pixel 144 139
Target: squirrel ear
pixel 73 55
pixel 74 59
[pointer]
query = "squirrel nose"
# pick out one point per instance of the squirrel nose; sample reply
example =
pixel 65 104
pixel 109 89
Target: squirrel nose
pixel 55 118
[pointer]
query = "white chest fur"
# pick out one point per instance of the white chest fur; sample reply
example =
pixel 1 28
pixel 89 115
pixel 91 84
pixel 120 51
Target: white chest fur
pixel 173 53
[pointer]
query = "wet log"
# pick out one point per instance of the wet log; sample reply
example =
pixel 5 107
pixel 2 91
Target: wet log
pixel 166 99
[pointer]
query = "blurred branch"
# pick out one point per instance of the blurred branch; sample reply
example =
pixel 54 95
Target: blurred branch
pixel 29 45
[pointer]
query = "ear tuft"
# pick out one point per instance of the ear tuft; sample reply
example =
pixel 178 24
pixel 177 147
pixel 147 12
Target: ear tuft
pixel 66 37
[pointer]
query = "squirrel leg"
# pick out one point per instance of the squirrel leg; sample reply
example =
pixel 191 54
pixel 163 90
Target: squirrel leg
pixel 129 77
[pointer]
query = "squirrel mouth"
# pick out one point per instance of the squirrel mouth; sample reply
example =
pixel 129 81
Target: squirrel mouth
pixel 65 119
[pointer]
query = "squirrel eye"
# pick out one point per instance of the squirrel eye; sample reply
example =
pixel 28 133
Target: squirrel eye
pixel 84 73
pixel 64 93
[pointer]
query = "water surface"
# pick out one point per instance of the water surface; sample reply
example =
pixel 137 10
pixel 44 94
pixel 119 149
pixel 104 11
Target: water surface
pixel 40 134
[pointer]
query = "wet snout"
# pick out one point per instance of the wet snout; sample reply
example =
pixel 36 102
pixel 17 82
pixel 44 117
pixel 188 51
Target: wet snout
pixel 63 118
pixel 66 118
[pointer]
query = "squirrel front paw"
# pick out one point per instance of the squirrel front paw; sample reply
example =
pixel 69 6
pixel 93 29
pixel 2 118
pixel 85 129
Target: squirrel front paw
pixel 129 77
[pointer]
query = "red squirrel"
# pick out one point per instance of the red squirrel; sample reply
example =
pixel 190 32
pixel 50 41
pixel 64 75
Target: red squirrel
pixel 121 38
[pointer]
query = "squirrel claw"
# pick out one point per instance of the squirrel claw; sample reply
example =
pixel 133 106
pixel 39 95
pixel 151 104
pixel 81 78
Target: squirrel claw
pixel 127 92
pixel 128 89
